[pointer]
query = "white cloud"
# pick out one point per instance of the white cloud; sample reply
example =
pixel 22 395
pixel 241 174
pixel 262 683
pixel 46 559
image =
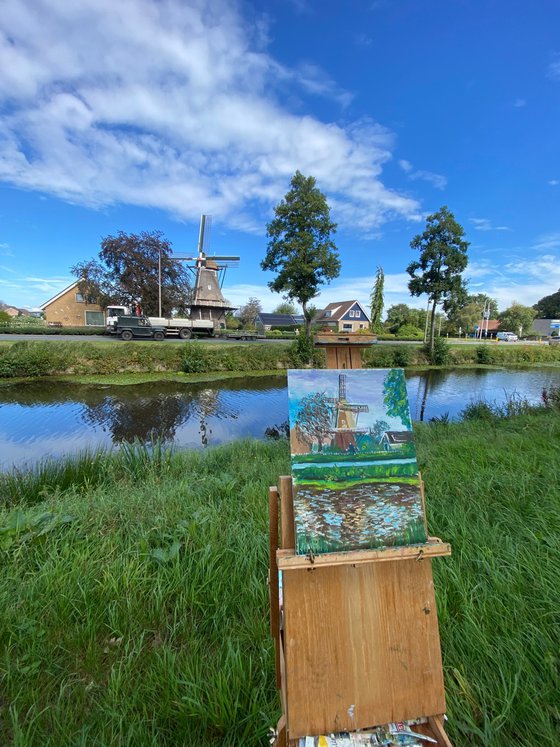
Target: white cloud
pixel 554 67
pixel 518 103
pixel 484 224
pixel 437 180
pixel 547 242
pixel 554 182
pixel 175 106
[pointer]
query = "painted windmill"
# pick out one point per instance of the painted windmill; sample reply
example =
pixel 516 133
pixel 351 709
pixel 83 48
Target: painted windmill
pixel 346 418
pixel 209 272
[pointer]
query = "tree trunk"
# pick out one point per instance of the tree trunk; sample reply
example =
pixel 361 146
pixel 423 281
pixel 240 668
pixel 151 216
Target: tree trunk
pixel 433 326
pixel 307 319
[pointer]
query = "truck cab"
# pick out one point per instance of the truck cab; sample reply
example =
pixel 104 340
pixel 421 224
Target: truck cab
pixel 137 327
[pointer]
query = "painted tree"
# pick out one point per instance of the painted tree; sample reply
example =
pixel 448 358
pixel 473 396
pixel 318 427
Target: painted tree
pixel 379 428
pixel 376 300
pixel 314 420
pixel 300 249
pixel 443 257
pixel 127 271
pixel 395 397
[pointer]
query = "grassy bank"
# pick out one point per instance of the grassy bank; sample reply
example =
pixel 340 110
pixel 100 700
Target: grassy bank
pixel 90 358
pixel 134 600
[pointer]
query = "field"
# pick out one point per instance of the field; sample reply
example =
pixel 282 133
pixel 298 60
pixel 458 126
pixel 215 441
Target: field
pixel 134 598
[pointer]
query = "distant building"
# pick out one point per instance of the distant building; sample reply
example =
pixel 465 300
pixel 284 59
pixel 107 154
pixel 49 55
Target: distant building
pixel 490 329
pixel 11 311
pixel 70 308
pixel 343 316
pixel 274 321
pixel 543 328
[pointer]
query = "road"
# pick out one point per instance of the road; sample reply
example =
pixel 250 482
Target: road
pixel 218 340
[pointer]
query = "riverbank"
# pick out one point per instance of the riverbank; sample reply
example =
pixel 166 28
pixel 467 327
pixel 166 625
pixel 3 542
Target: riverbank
pixel 135 604
pixel 88 358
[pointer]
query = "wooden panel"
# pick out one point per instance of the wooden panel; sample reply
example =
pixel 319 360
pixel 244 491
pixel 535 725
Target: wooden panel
pixel 361 646
pixel 343 357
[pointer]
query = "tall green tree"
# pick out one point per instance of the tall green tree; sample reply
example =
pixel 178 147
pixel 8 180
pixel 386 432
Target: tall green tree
pixel 127 271
pixel 376 300
pixel 395 397
pixel 548 307
pixel 400 315
pixel 301 250
pixel 517 318
pixel 466 315
pixel 443 257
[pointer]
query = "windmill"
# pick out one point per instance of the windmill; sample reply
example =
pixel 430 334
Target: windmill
pixel 346 417
pixel 209 272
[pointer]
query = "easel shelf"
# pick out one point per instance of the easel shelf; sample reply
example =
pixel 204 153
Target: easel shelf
pixel 287 560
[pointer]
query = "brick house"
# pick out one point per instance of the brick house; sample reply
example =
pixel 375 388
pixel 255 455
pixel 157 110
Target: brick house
pixel 343 316
pixel 70 308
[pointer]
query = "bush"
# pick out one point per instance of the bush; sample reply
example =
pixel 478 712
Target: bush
pixel 441 353
pixel 402 356
pixel 478 410
pixel 410 332
pixel 196 359
pixel 483 354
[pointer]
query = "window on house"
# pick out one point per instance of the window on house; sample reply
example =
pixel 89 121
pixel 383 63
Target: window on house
pixel 327 313
pixel 347 326
pixel 80 298
pixel 357 314
pixel 351 314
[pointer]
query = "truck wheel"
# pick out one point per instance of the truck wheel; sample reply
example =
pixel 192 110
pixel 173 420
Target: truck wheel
pixel 159 336
pixel 185 333
pixel 126 334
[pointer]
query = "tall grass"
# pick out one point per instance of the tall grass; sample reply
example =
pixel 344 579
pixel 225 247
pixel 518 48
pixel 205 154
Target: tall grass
pixel 141 616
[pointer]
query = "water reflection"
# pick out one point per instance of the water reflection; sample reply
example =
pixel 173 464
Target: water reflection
pixel 46 419
pixel 49 419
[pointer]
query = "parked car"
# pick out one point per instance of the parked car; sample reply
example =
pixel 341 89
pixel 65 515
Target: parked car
pixel 507 336
pixel 553 340
pixel 129 327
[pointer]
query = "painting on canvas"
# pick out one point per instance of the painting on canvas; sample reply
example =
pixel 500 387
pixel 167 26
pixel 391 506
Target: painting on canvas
pixel 354 468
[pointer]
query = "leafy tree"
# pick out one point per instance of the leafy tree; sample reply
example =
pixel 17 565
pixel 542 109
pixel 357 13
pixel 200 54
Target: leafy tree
pixel 548 307
pixel 443 257
pixel 379 428
pixel 286 307
pixel 467 313
pixel 376 300
pixel 314 418
pixel 4 317
pixel 127 272
pixel 395 397
pixel 300 249
pixel 400 315
pixel 232 322
pixel 517 318
pixel 248 313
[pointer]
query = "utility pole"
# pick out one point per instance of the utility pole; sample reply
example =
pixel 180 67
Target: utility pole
pixel 159 281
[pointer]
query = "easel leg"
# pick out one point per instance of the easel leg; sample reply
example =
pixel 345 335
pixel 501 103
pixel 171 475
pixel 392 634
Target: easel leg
pixel 436 725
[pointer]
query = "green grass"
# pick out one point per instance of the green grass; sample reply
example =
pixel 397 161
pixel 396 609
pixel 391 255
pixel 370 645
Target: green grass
pixel 134 603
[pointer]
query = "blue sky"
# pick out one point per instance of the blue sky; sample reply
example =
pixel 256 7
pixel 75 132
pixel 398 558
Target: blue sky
pixel 143 114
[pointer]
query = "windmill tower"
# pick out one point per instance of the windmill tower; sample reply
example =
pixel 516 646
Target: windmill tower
pixel 209 272
pixel 346 418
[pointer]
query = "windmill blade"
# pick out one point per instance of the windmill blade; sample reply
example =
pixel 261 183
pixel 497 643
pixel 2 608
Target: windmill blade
pixel 204 233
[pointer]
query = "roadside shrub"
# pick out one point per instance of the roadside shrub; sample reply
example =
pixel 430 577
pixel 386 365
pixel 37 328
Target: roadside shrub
pixel 33 359
pixel 301 351
pixel 483 354
pixel 441 353
pixel 196 359
pixel 409 332
pixel 402 356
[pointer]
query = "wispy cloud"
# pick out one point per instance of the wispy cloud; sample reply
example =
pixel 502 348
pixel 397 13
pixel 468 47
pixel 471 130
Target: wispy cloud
pixel 485 224
pixel 437 180
pixel 519 103
pixel 553 182
pixel 547 242
pixel 554 67
pixel 177 106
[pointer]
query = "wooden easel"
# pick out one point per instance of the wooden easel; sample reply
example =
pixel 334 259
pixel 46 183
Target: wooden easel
pixel 356 633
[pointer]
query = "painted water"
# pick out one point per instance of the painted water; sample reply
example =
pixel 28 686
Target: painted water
pixel 358 517
pixel 45 419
